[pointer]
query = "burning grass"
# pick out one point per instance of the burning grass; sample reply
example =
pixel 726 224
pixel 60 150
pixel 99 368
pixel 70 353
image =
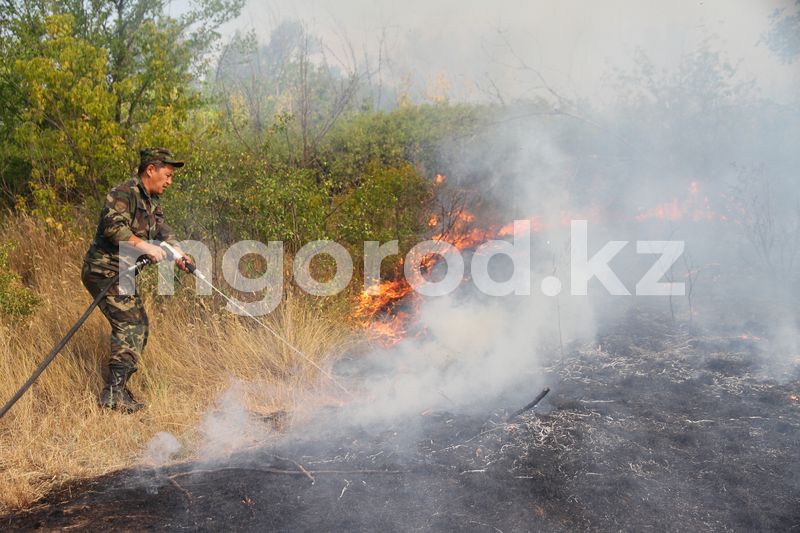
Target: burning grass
pixel 56 432
pixel 388 309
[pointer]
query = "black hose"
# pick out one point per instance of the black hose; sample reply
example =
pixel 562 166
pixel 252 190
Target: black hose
pixel 58 347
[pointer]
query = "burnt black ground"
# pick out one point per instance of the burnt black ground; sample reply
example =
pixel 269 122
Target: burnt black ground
pixel 650 427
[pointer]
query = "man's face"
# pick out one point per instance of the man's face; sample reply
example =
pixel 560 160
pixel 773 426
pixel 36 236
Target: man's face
pixel 158 179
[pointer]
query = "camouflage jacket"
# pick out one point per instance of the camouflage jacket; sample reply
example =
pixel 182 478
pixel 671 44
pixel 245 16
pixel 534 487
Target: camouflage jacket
pixel 129 210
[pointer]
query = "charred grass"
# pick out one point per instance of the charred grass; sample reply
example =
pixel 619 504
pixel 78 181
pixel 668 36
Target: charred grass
pixel 649 427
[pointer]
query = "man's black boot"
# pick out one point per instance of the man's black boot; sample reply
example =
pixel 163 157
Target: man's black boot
pixel 115 394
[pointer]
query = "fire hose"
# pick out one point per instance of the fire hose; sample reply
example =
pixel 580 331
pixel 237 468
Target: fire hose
pixel 141 263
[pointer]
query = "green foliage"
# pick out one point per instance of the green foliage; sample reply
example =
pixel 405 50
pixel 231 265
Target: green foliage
pixel 68 130
pixel 368 183
pixel 226 194
pixel 406 135
pixel 15 299
pixel 389 203
pixel 83 83
pixel 290 206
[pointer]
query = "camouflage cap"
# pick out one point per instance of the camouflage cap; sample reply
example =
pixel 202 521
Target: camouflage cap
pixel 149 155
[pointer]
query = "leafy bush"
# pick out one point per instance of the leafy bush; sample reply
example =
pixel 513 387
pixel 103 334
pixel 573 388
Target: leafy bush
pixel 15 299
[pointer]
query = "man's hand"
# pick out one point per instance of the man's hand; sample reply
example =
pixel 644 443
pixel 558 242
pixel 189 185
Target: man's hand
pixel 155 253
pixel 183 260
pixel 183 263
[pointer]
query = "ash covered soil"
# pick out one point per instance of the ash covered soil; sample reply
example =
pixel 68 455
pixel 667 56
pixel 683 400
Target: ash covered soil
pixel 649 427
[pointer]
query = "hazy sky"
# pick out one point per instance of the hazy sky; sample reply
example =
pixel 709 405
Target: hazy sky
pixel 571 42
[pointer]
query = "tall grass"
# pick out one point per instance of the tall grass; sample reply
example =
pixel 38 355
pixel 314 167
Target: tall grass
pixel 56 432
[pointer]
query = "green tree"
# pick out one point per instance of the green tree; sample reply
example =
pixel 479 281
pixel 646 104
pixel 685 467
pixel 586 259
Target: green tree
pixel 142 59
pixel 67 129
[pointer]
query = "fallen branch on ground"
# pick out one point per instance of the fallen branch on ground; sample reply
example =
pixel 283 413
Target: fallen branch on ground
pixel 530 405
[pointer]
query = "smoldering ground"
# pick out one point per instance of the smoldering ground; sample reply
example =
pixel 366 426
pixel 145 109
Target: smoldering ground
pixel 647 425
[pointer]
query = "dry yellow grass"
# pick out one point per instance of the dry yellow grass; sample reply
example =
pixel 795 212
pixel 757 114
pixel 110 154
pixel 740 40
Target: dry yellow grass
pixel 56 432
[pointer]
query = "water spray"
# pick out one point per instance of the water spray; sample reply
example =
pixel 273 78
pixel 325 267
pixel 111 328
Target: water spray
pixel 176 255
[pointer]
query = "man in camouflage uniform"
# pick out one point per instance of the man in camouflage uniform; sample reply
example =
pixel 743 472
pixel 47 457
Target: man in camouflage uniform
pixel 132 215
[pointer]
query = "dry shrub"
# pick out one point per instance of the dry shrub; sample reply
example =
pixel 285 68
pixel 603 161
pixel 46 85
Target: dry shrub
pixel 56 432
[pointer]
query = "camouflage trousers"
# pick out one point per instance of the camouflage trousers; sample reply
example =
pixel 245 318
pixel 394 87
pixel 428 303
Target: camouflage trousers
pixel 125 313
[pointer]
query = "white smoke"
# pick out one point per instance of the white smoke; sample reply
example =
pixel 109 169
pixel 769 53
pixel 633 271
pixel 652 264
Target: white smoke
pixel 230 426
pixel 473 351
pixel 159 452
pixel 161 449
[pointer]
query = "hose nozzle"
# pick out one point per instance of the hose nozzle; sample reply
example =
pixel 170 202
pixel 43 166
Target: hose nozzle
pixel 175 255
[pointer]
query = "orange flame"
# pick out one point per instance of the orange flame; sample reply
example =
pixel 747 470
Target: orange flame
pixel 377 311
pixel 536 226
pixel 377 308
pixel 692 207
